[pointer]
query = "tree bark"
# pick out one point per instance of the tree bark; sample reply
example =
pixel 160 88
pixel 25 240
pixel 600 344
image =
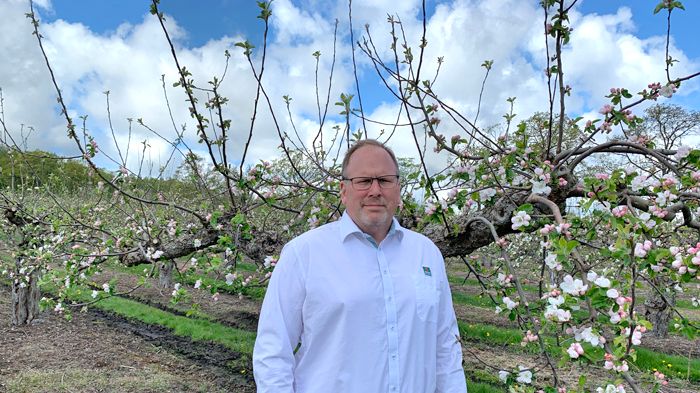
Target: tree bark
pixel 25 300
pixel 165 274
pixel 658 307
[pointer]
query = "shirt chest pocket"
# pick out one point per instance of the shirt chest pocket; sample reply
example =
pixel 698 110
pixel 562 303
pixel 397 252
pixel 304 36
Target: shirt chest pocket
pixel 426 297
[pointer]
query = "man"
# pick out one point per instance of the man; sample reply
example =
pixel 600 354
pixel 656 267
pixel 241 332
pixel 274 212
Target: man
pixel 360 305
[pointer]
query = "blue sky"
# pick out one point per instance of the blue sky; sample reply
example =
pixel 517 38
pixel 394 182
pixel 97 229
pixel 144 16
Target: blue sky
pixel 202 20
pixel 112 45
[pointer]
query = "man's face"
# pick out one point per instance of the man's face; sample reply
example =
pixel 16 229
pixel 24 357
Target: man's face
pixel 370 209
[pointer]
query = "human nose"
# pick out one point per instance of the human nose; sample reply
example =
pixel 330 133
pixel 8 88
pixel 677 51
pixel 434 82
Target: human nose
pixel 374 188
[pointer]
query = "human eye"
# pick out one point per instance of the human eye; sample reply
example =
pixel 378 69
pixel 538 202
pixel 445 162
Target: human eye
pixel 387 180
pixel 362 181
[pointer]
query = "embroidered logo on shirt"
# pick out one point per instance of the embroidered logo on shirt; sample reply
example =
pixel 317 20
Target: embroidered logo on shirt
pixel 426 271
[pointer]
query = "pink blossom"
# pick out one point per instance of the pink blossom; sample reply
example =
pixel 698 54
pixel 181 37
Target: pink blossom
pixel 575 350
pixel 547 228
pixel 640 250
pixel 619 211
pixel 607 108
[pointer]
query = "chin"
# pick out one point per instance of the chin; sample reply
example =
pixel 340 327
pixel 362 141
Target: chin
pixel 376 219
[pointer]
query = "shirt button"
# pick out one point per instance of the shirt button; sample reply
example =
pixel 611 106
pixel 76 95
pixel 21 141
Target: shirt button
pixel 384 271
pixel 389 298
pixel 393 327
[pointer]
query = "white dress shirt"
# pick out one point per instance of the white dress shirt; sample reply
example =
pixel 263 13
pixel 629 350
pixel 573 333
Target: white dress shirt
pixel 366 318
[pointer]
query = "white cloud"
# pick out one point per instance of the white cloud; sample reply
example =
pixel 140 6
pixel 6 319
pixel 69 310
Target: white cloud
pixel 604 52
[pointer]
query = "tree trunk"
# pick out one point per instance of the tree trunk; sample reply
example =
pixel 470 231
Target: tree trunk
pixel 658 308
pixel 25 300
pixel 165 274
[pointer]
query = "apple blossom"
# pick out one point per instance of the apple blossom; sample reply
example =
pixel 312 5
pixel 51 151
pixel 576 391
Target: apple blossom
pixel 551 261
pixel 525 375
pixel 574 287
pixel 556 300
pixel 486 194
pixel 520 219
pixel 575 350
pixel 667 90
pixel 509 303
pixel 269 261
pixel 556 314
pixel 611 389
pixel 541 188
pixel 528 338
pixel 612 293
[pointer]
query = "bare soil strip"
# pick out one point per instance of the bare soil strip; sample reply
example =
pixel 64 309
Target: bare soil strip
pixel 115 353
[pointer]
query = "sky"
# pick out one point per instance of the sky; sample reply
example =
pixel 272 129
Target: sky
pixel 117 46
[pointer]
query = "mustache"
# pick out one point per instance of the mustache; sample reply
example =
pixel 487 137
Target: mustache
pixel 374 201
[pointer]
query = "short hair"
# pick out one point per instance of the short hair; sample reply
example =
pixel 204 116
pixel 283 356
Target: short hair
pixel 363 143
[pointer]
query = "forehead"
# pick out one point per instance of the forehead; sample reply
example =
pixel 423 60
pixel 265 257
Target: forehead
pixel 371 160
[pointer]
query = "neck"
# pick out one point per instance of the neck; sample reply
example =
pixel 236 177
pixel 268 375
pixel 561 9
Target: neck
pixel 377 231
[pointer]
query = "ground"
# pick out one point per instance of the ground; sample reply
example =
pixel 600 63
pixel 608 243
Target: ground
pixel 101 352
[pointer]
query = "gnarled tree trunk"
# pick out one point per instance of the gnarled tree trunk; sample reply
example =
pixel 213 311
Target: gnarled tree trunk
pixel 165 274
pixel 658 307
pixel 25 299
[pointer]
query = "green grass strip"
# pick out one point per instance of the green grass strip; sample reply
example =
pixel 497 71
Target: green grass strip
pixel 647 360
pixel 198 329
pixel 480 387
pixel 674 366
pixel 472 300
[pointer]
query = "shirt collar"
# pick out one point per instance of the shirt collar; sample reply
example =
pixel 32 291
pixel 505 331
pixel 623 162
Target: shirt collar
pixel 348 227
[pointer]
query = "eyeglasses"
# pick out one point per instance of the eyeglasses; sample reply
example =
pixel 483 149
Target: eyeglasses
pixel 362 183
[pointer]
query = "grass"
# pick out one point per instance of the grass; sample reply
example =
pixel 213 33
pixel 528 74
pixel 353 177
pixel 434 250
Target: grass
pixel 489 334
pixel 480 387
pixel 71 380
pixel 472 300
pixel 198 329
pixel 671 365
pixel 647 360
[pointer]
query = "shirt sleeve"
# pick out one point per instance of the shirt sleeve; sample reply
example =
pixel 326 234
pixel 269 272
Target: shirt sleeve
pixel 450 374
pixel 279 326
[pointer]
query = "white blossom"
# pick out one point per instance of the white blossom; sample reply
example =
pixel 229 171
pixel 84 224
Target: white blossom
pixel 486 194
pixel 509 303
pixel 573 286
pixel 520 219
pixel 541 188
pixel 524 376
pixel 682 152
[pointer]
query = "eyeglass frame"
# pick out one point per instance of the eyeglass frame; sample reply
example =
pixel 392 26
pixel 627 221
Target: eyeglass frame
pixel 372 179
